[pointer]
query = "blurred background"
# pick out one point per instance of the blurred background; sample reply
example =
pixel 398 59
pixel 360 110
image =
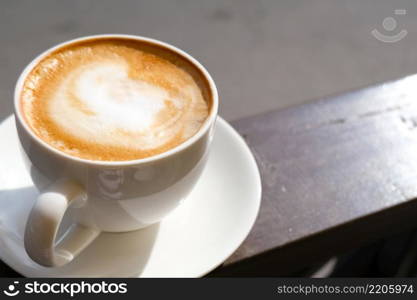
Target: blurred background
pixel 263 55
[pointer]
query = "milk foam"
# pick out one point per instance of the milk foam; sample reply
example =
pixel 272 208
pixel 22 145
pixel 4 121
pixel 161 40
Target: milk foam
pixel 100 104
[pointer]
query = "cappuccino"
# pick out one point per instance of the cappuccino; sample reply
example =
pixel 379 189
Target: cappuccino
pixel 114 99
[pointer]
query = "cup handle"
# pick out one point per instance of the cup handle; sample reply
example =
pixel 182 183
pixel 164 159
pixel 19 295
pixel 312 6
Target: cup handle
pixel 44 221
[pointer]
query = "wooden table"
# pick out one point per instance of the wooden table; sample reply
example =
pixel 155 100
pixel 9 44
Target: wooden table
pixel 336 173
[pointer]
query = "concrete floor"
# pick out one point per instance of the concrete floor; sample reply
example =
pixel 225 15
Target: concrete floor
pixel 262 54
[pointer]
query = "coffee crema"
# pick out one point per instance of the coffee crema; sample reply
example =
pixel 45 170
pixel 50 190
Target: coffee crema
pixel 114 99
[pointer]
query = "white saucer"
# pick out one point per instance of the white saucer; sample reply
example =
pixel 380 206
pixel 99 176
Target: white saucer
pixel 197 237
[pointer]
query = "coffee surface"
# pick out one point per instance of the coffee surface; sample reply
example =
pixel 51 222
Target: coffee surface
pixel 112 100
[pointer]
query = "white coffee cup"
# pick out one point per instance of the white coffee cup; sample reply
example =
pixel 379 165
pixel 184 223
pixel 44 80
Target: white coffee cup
pixel 113 196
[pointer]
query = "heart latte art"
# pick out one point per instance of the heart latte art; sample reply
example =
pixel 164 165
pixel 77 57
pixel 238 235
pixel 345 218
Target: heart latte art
pixel 112 100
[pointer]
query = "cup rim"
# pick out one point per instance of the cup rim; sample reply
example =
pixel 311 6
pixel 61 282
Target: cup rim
pixel 211 118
